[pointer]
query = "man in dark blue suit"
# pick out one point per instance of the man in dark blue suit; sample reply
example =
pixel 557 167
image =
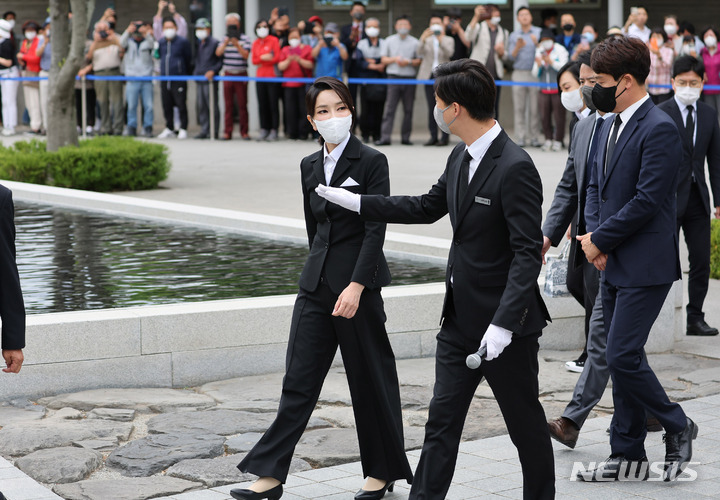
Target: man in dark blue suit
pixel 698 126
pixel 631 216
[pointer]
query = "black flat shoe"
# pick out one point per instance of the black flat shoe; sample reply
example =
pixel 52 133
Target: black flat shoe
pixel 271 494
pixel 376 494
pixel 702 329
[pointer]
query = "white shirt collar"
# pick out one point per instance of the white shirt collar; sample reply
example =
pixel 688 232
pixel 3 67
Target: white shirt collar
pixel 583 114
pixel 630 110
pixel 478 148
pixel 334 155
pixel 683 107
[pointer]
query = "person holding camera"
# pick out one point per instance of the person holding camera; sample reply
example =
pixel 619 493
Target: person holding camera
pixel 434 47
pixel 104 57
pixel 158 20
pixel 489 41
pixel 207 64
pixel 138 42
pixel 330 53
pixel 235 51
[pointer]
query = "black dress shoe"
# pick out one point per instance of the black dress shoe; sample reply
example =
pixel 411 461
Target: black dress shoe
pixel 382 143
pixel 678 450
pixel 376 494
pixel 406 143
pixel 617 468
pixel 271 494
pixel 442 142
pixel 431 142
pixel 702 329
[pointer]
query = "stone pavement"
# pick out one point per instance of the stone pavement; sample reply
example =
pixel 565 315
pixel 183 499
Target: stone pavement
pixel 183 444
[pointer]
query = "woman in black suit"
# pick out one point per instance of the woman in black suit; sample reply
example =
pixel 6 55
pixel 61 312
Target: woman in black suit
pixel 339 304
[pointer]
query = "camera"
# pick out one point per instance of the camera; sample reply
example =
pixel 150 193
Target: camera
pixel 233 31
pixel 103 34
pixel 138 26
pixel 328 40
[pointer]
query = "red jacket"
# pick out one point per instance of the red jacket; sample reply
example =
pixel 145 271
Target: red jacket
pixel 294 70
pixel 30 57
pixel 267 45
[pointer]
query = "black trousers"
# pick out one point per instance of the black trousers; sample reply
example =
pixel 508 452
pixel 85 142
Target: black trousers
pixel 90 106
pixel 295 112
pixel 174 95
pixel 370 367
pixel 371 115
pixel 695 223
pixel 513 378
pixel 268 94
pixel 432 125
pixel 629 313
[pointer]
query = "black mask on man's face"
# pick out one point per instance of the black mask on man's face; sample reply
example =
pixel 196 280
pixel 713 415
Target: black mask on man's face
pixel 604 98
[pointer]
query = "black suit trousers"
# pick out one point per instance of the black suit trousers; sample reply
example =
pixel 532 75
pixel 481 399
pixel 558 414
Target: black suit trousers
pixel 629 313
pixel 370 367
pixel 513 380
pixel 695 224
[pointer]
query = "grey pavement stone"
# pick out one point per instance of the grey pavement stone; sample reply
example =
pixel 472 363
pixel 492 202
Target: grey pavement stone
pixel 20 439
pixel 60 465
pixel 20 411
pixel 68 414
pixel 97 444
pixel 124 489
pixel 222 470
pixel 221 422
pixel 255 388
pixel 157 452
pixel 158 400
pixel 117 414
pixel 242 443
pixel 702 376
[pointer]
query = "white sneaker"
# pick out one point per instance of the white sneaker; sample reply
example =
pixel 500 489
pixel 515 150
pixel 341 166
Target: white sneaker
pixel 182 134
pixel 546 146
pixel 575 366
pixel 166 133
pixel 556 146
pixel 7 132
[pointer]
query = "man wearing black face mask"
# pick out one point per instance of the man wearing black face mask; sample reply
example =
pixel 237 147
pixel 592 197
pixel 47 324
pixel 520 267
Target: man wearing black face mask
pixel 568 38
pixel 632 236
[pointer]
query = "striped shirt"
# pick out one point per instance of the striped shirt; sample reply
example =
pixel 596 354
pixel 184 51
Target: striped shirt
pixel 232 60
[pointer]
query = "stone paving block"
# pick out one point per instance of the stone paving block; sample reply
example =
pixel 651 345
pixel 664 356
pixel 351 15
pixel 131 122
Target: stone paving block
pixel 139 488
pixel 60 465
pixel 142 399
pixel 117 414
pixel 315 490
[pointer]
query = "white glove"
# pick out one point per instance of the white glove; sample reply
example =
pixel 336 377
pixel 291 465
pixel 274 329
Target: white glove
pixel 340 196
pixel 496 339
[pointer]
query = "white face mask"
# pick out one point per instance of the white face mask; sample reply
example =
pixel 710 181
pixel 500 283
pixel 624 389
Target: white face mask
pixel 438 114
pixel 710 41
pixel 262 32
pixel 334 130
pixel 201 34
pixel 547 45
pixel 496 20
pixel 670 29
pixel 403 31
pixel 687 95
pixel 30 34
pixel 169 33
pixel 372 32
pixel 437 29
pixel 572 100
pixel 687 50
pixel 294 42
pixel 11 22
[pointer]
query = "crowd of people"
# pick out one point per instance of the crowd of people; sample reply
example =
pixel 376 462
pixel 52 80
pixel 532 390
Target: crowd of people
pixel 168 45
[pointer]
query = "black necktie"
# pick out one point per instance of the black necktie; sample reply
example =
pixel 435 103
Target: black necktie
pixel 690 126
pixel 464 173
pixel 613 140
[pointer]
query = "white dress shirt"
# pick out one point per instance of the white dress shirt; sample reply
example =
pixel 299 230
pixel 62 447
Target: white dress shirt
pixel 625 116
pixel 331 159
pixel 684 113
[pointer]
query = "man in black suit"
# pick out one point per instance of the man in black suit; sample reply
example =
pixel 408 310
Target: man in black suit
pixel 698 126
pixel 12 308
pixel 493 194
pixel 630 218
pixel 350 35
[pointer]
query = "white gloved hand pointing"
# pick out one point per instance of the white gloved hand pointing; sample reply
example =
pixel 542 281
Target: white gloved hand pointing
pixel 340 196
pixel 496 339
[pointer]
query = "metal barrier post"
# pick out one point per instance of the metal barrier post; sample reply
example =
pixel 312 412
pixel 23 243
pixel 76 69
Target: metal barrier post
pixel 212 109
pixel 83 99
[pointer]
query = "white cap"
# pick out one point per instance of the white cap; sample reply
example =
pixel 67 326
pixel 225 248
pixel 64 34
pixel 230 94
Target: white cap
pixel 5 28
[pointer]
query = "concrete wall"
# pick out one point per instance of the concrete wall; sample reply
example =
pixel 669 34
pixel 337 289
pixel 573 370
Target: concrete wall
pixel 189 344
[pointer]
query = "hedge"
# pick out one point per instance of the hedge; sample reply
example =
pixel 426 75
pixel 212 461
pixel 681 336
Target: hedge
pixel 98 164
pixel 715 249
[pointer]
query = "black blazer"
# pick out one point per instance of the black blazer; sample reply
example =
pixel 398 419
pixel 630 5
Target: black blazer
pixel 343 247
pixel 495 254
pixel 707 144
pixel 12 307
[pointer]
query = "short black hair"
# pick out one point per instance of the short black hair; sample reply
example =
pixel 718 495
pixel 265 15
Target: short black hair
pixel 403 17
pixel 520 9
pixel 584 58
pixel 573 67
pixel 435 14
pixel 356 4
pixel 661 32
pixel 169 19
pixel 9 13
pixel 468 83
pixel 711 28
pixel 548 13
pixel 686 26
pixel 621 55
pixel 683 64
pixel 260 21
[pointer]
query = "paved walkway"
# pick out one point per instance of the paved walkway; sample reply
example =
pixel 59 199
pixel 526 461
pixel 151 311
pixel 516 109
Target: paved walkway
pixel 243 176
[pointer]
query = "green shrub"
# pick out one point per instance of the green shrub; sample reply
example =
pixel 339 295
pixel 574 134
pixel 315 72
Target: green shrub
pixel 715 249
pixel 98 164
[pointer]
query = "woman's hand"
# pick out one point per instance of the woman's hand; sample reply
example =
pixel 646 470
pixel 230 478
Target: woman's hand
pixel 348 301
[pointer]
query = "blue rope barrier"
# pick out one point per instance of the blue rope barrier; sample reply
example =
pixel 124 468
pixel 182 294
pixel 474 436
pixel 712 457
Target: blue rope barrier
pixel 359 81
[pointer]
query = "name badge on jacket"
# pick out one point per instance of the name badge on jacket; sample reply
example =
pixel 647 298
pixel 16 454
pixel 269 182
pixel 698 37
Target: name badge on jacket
pixel 482 201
